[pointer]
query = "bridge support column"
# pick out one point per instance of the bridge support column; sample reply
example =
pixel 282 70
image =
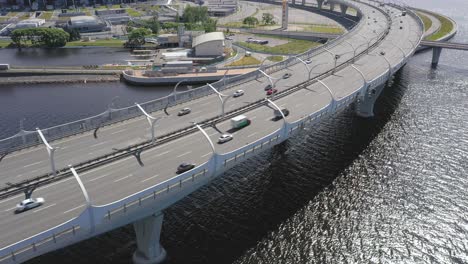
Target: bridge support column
pixel 343 8
pixel 148 231
pixel 332 6
pixel 303 2
pixel 435 56
pixel 320 4
pixel 294 2
pixel 365 104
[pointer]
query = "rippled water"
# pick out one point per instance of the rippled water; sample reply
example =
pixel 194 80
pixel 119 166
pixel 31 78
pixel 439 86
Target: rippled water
pixel 391 189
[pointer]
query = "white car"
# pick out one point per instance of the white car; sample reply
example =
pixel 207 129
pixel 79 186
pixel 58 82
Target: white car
pixel 29 204
pixel 238 93
pixel 225 138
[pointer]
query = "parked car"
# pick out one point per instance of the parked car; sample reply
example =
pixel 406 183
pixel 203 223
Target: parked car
pixel 225 138
pixel 238 93
pixel 184 111
pixel 268 87
pixel 286 75
pixel 185 167
pixel 271 91
pixel 29 204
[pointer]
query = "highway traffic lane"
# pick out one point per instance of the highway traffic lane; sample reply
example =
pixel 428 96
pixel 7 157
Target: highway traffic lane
pixel 277 76
pixel 55 211
pixel 160 164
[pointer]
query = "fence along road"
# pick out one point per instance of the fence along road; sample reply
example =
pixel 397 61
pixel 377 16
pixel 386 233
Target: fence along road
pixel 32 162
pixel 125 177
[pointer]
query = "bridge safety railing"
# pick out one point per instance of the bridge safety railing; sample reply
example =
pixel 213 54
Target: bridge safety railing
pixel 54 237
pixel 74 227
pixel 113 115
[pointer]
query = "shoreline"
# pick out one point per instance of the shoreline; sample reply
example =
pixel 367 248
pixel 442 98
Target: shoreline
pixel 58 79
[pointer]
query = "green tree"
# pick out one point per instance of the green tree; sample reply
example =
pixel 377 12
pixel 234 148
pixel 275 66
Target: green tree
pixel 195 14
pixel 210 25
pixel 251 21
pixel 268 19
pixel 42 37
pixel 137 37
pixel 74 34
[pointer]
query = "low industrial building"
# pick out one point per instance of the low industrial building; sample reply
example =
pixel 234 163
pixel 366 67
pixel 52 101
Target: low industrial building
pixel 30 23
pixel 210 44
pixel 87 24
pixel 221 7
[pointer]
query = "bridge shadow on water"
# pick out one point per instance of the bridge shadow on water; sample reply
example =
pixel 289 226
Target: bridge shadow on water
pixel 221 221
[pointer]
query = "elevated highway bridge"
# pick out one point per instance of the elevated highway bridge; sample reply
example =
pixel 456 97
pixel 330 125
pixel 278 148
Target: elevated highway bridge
pixel 125 175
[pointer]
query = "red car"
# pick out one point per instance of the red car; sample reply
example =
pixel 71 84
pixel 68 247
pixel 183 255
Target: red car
pixel 272 91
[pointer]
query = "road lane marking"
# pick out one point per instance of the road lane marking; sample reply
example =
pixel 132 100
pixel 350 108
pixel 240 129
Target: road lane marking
pixel 188 152
pixel 123 178
pixel 207 103
pixel 43 208
pixel 150 178
pixel 118 131
pixel 298 105
pixel 19 175
pixel 207 154
pixel 100 177
pixel 9 209
pixel 98 144
pixel 163 153
pixel 253 134
pixel 105 166
pixel 213 134
pixel 73 208
pixel 32 164
pixel 194 113
pixel 253 117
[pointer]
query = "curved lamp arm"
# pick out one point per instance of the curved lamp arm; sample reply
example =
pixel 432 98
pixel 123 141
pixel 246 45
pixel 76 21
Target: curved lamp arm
pixel 151 120
pixel 50 151
pixel 206 136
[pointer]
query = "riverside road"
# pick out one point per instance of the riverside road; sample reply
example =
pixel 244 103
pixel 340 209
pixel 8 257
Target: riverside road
pixel 124 177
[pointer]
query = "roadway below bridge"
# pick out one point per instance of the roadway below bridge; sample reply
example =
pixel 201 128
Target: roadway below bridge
pixel 119 179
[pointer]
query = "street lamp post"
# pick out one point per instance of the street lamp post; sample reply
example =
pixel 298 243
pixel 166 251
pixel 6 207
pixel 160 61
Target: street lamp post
pixel 222 97
pixel 86 195
pixel 335 58
pixel 277 108
pixel 330 91
pixel 50 151
pixel 151 120
pixel 354 49
pixel 269 78
pixel 206 136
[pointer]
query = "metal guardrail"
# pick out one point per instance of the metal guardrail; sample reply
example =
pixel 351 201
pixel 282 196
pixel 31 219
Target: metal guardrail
pixel 178 183
pixel 133 111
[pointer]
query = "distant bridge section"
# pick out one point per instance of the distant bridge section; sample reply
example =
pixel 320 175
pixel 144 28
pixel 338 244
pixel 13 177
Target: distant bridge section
pixel 438 46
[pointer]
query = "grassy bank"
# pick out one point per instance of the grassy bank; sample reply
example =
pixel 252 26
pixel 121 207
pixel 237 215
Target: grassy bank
pixel 275 58
pixel 445 28
pixel 111 43
pixel 4 43
pixel 320 28
pixel 294 46
pixel 245 61
pixel 426 20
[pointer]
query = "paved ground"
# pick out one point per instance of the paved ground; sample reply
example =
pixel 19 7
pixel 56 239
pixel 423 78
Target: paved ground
pixel 296 16
pixel 435 24
pixel 125 177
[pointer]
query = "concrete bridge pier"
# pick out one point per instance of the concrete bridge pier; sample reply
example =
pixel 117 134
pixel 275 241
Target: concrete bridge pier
pixel 365 103
pixel 294 2
pixel 320 4
pixel 343 8
pixel 435 56
pixel 148 232
pixel 303 2
pixel 332 6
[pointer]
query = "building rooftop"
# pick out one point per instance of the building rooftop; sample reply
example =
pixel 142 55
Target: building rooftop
pixel 212 36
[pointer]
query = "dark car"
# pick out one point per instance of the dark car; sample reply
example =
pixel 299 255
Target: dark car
pixel 272 91
pixel 268 87
pixel 185 167
pixel 184 111
pixel 286 75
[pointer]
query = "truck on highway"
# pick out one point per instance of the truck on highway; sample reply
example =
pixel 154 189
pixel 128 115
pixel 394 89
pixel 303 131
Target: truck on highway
pixel 278 113
pixel 239 122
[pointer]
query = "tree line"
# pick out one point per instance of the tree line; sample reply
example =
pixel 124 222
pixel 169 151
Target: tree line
pixel 43 37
